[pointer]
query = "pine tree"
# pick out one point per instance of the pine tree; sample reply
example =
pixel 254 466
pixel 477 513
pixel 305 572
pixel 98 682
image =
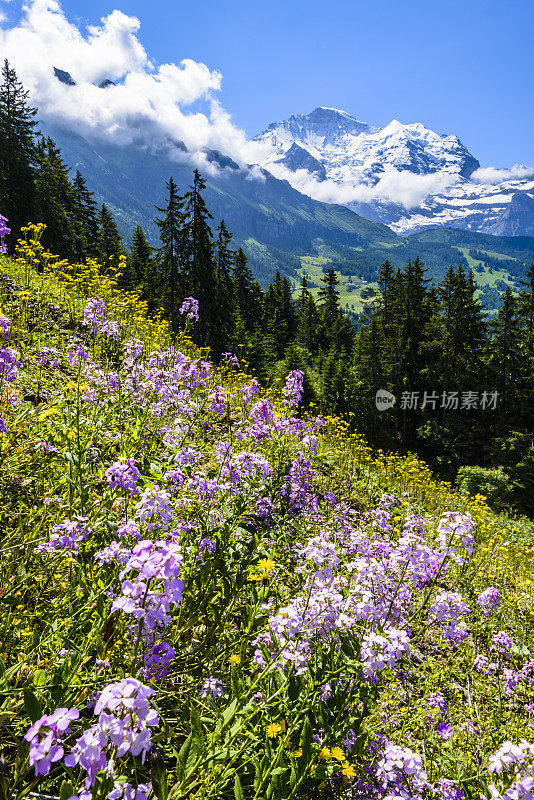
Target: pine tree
pixel 110 245
pixel 87 213
pixel 505 352
pixel 223 313
pixel 172 286
pixel 198 260
pixel 18 201
pixel 245 295
pixel 140 267
pixel 57 202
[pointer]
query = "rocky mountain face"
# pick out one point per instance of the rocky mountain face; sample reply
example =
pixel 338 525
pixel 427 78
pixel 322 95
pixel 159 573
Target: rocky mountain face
pixel 406 176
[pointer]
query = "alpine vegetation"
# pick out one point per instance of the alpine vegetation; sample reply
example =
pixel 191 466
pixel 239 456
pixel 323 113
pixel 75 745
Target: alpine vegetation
pixel 210 592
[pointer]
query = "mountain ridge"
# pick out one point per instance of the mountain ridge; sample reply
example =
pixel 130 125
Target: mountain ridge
pixel 368 166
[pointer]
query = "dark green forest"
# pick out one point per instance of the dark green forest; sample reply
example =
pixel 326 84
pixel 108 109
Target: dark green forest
pixel 463 379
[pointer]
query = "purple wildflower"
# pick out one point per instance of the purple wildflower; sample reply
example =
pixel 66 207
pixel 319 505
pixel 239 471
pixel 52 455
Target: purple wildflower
pixel 190 308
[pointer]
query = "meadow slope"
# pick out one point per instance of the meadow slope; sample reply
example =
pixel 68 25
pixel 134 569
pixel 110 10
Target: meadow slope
pixel 206 592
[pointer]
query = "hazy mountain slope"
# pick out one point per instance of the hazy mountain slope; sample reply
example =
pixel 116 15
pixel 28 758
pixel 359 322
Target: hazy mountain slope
pixel 255 205
pixel 274 223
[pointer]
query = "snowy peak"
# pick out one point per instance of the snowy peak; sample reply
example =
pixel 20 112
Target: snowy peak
pixel 349 148
pixel 323 127
pixel 404 175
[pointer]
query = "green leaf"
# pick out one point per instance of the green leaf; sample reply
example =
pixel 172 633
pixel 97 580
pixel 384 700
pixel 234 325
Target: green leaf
pixel 238 789
pixel 10 600
pixel 39 678
pixel 196 730
pixel 66 790
pixel 306 740
pixel 182 757
pixel 158 775
pixel 32 705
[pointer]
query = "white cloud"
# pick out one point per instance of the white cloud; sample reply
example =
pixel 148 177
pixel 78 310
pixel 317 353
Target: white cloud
pixel 147 106
pixel 402 187
pixel 494 175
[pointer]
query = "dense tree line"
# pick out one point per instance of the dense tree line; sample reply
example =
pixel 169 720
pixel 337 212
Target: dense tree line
pixel 35 185
pixel 463 383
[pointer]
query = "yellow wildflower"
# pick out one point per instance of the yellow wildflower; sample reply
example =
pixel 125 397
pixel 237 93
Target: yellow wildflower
pixel 325 753
pixel 273 729
pixel 348 771
pixel 338 754
pixel 235 660
pixel 266 564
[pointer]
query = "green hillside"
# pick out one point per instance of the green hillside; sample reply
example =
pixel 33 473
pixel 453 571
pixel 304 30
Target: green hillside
pixel 207 593
pixel 275 224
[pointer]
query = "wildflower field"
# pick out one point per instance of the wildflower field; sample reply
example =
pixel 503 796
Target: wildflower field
pixel 206 592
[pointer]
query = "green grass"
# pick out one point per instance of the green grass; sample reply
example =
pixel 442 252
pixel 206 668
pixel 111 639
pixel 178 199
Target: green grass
pixel 350 298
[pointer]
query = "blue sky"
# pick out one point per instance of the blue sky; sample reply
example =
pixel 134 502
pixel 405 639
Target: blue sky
pixel 461 67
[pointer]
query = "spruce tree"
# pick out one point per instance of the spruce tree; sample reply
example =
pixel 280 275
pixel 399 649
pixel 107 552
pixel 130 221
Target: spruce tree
pixel 18 200
pixel 140 267
pixel 58 206
pixel 110 245
pixel 198 260
pixel 505 353
pixel 328 294
pixel 223 313
pixel 173 287
pixel 245 295
pixel 87 213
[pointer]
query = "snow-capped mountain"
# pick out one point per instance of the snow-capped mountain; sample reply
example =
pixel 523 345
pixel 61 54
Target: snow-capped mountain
pixel 404 175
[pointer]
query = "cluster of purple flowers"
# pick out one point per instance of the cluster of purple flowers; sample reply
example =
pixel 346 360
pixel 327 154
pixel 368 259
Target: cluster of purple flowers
pixel 4 231
pixel 401 773
pixel 294 387
pixel 77 355
pixel 251 390
pixel 212 687
pixel 488 600
pixel 449 610
pixel 190 308
pixel 68 534
pixel 123 726
pixel 48 357
pixel 94 314
pixel 437 700
pixel 218 400
pixel 123 474
pixel 133 349
pixel 46 738
pixel 150 589
pixel 5 327
pixel 9 364
pixel 154 508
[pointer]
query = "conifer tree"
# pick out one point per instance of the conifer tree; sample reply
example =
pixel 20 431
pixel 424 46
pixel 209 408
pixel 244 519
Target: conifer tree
pixel 110 245
pixel 505 359
pixel 172 286
pixel 18 201
pixel 58 207
pixel 280 313
pixel 223 313
pixel 198 260
pixel 140 266
pixel 328 294
pixel 304 293
pixel 307 328
pixel 245 295
pixel 87 213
